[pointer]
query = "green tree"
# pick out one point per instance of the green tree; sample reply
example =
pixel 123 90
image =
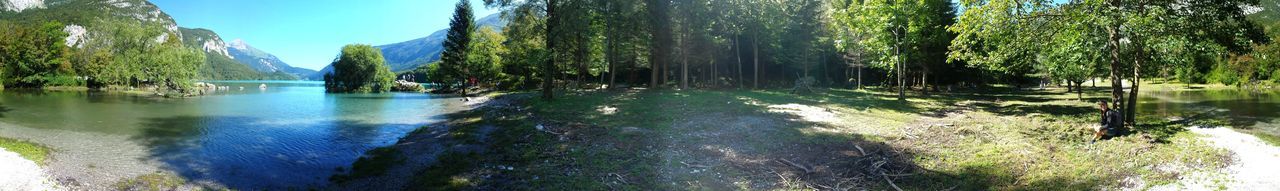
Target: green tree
pixel 34 56
pixel 457 45
pixel 485 57
pixel 360 68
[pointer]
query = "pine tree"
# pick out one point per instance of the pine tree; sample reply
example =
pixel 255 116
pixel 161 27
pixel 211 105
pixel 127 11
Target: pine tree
pixel 456 44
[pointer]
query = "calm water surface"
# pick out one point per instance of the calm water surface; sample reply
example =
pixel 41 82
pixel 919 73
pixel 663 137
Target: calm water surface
pixel 290 135
pixel 1256 111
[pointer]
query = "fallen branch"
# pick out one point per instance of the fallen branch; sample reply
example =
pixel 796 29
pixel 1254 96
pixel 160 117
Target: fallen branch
pixel 801 167
pixel 886 179
pixel 694 165
pixel 901 175
pixel 864 152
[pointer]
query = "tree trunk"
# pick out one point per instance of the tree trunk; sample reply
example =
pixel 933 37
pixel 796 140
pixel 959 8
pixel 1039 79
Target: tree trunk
pixel 902 81
pixel 1117 89
pixel 684 67
pixel 737 54
pixel 755 53
pixel 1132 109
pixel 548 68
pixel 715 81
pixel 1080 90
pixel 859 77
pixel 924 80
pixel 611 56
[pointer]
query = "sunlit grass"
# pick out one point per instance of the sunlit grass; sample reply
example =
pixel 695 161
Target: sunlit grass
pixel 28 150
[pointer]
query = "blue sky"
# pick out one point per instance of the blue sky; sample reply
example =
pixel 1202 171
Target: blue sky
pixel 309 33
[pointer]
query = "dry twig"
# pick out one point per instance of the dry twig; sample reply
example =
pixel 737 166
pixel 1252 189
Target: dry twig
pixel 801 167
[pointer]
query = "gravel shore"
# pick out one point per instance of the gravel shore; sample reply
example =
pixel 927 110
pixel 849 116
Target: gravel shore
pixel 17 173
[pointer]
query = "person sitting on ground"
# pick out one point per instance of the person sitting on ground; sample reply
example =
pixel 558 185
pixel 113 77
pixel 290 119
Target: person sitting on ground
pixel 1110 123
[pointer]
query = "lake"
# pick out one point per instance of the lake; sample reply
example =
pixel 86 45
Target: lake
pixel 1257 112
pixel 290 135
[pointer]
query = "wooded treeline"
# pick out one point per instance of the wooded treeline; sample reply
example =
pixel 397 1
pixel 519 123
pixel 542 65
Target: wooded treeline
pixel 918 45
pixel 37 54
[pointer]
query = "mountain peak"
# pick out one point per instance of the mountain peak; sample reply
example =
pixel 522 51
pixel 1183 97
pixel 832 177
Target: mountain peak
pixel 239 44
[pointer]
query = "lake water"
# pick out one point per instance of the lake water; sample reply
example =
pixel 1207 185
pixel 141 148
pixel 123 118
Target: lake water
pixel 1257 111
pixel 289 135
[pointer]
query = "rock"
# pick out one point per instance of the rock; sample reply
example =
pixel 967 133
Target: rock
pixel 407 86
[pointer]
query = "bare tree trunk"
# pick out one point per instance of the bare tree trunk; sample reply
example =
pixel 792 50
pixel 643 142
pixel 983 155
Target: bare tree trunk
pixel 924 80
pixel 902 81
pixel 715 81
pixel 684 68
pixel 737 54
pixel 611 55
pixel 755 48
pixel 548 68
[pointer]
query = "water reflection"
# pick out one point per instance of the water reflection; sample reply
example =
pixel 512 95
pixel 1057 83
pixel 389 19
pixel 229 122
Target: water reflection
pixel 1239 109
pixel 289 136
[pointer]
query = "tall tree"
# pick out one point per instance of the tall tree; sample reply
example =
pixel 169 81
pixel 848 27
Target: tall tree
pixel 457 44
pixel 660 51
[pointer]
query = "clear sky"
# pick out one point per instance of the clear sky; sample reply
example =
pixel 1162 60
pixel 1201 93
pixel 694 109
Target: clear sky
pixel 309 33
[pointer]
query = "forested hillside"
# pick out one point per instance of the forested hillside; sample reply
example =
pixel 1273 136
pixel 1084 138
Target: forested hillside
pixel 96 44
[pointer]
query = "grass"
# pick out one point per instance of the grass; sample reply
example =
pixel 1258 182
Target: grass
pixel 28 150
pixel 992 139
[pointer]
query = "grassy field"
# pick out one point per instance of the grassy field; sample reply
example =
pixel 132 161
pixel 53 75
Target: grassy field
pixel 30 151
pixel 999 139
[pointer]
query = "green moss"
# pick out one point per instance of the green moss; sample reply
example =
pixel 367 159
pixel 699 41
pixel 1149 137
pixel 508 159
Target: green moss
pixel 28 150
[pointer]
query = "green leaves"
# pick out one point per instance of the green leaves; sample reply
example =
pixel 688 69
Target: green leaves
pixel 360 68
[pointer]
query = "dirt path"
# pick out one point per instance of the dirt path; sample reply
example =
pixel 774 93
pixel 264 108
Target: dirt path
pixel 17 173
pixel 1255 166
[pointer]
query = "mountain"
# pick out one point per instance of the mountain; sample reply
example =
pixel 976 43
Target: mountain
pixel 83 17
pixel 262 61
pixel 80 16
pixel 407 55
pixel 219 63
pixel 1267 15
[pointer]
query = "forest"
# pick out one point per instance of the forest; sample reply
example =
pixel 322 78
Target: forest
pixel 923 46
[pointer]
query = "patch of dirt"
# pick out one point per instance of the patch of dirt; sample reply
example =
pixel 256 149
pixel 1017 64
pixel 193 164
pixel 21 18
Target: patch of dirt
pixel 718 151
